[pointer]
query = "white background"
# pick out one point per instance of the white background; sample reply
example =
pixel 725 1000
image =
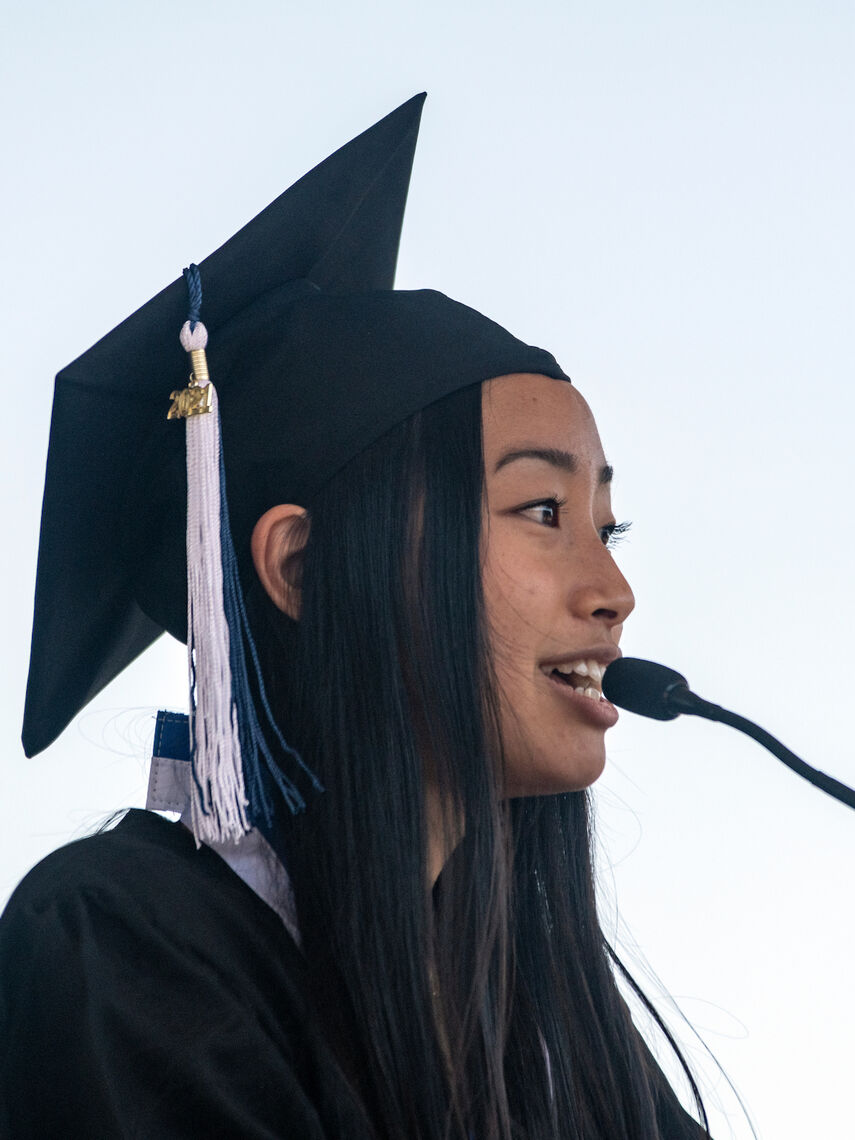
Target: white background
pixel 661 194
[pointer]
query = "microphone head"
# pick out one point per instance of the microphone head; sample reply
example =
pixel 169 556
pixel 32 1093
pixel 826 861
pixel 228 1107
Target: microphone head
pixel 643 687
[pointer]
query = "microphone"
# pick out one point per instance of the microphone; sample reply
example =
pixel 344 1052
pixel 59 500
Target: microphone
pixel 646 688
pixel 653 690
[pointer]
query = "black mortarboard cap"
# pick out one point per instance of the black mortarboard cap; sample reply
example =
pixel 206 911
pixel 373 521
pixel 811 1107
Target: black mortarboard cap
pixel 314 356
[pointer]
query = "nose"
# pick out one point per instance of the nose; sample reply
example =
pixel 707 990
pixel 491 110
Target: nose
pixel 601 591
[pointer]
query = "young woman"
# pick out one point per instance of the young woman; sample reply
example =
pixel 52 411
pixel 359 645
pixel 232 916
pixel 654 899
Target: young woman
pixel 421 518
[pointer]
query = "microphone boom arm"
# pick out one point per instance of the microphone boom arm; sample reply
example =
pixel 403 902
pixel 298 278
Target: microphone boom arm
pixel 680 699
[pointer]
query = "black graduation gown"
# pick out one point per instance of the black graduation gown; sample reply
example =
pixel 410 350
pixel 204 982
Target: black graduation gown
pixel 146 991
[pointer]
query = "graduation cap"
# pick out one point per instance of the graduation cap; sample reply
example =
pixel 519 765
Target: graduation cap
pixel 313 354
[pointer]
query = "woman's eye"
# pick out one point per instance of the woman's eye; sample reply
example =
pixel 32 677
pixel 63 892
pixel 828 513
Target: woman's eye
pixel 614 533
pixel 546 512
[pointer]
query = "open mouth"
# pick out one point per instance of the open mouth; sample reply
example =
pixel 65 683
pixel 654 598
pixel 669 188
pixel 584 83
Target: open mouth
pixel 583 677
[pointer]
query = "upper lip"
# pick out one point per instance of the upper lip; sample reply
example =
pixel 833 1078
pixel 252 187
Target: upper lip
pixel 602 654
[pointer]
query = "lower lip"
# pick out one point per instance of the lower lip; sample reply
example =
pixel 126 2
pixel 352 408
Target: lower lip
pixel 601 713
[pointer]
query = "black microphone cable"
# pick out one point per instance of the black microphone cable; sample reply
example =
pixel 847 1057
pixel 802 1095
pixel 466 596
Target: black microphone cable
pixel 653 690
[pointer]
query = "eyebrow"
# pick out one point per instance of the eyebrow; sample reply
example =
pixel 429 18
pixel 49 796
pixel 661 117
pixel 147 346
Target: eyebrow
pixel 555 457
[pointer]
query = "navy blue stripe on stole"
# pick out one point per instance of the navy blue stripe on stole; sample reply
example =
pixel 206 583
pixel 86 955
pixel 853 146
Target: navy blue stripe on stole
pixel 172 736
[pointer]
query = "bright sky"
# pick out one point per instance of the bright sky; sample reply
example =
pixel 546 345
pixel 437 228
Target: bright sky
pixel 659 193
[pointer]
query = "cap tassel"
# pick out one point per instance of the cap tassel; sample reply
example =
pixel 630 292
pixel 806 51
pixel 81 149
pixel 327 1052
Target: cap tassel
pixel 219 801
pixel 233 765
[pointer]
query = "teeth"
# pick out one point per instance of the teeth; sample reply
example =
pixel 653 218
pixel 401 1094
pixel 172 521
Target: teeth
pixel 590 669
pixel 593 693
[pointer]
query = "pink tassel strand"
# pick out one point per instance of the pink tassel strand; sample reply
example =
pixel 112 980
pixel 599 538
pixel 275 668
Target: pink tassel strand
pixel 219 803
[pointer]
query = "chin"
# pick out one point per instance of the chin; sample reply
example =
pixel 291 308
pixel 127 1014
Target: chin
pixel 552 775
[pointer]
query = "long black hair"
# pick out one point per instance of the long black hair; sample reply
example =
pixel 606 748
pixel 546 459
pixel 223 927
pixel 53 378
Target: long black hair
pixel 488 1008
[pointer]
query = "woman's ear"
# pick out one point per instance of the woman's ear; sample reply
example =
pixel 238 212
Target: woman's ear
pixel 278 542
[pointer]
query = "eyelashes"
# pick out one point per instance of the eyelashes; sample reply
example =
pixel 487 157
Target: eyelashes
pixel 547 512
pixel 614 534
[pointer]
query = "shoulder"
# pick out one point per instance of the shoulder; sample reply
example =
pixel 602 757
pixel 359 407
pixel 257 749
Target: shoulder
pixel 77 865
pixel 145 861
pixel 107 869
pixel 142 847
pixel 144 988
pixel 141 900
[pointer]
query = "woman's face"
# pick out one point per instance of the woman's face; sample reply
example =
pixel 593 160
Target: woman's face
pixel 555 600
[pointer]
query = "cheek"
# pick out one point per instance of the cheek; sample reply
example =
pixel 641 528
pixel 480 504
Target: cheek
pixel 547 750
pixel 520 597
